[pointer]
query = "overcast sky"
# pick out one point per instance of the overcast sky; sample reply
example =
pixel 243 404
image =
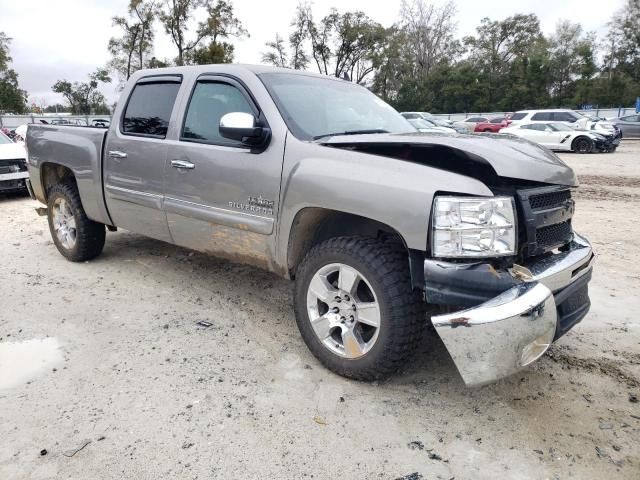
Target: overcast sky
pixel 56 39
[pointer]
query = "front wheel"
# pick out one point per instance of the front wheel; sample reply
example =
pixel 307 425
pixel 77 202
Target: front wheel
pixel 355 307
pixel 583 145
pixel 76 236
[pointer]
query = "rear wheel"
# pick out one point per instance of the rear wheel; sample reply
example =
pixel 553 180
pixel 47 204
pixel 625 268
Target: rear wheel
pixel 582 145
pixel 76 236
pixel 355 307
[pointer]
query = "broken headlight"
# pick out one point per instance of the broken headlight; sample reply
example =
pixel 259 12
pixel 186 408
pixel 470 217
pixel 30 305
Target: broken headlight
pixel 473 227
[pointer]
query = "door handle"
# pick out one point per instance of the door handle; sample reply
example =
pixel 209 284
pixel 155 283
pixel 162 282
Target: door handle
pixel 182 164
pixel 117 154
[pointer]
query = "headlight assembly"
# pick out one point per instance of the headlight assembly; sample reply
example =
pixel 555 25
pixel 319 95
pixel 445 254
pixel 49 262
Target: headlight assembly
pixel 473 227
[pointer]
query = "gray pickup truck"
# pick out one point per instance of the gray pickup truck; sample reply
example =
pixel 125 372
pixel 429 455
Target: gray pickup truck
pixel 388 233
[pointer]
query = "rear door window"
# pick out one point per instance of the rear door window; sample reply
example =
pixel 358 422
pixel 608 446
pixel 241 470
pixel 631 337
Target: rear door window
pixel 518 116
pixel 564 117
pixel 542 117
pixel 631 118
pixel 149 108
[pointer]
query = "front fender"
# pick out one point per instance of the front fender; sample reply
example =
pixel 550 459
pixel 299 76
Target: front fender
pixel 394 192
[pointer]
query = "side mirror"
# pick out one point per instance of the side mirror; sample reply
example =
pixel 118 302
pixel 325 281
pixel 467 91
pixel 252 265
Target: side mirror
pixel 243 127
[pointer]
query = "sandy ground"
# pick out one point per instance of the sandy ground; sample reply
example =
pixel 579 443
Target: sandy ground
pixel 108 352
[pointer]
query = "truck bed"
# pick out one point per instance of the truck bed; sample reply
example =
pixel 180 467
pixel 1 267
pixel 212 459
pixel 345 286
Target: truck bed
pixel 78 148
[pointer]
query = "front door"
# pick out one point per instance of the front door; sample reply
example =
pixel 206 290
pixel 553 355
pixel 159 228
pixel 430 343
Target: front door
pixel 135 158
pixel 220 196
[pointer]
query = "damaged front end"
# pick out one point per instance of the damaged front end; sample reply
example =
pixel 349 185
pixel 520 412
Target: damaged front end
pixel 517 312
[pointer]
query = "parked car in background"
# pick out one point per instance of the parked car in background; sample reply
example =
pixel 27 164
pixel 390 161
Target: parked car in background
pixel 100 122
pixel 13 165
pixel 73 122
pixel 629 125
pixel 470 123
pixel 414 115
pixel 492 126
pixel 560 137
pixel 569 118
pixel 443 122
pixel 424 125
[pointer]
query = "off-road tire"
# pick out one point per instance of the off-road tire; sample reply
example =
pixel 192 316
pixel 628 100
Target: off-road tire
pixel 582 145
pixel 402 309
pixel 90 235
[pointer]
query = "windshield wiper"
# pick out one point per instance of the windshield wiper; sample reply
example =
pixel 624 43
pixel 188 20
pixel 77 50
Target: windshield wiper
pixel 352 132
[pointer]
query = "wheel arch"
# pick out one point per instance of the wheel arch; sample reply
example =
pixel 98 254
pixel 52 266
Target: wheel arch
pixel 313 225
pixel 581 137
pixel 52 173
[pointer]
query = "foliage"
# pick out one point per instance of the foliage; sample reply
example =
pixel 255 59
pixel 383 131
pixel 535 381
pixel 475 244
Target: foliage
pixel 130 52
pixel 342 45
pixel 219 23
pixel 12 98
pixel 84 98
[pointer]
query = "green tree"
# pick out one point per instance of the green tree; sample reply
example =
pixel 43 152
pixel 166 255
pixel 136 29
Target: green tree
pixel 220 23
pixel 85 98
pixel 131 50
pixel 277 53
pixel 12 98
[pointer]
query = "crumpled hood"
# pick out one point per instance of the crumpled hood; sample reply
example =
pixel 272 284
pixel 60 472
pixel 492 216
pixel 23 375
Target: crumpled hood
pixel 11 151
pixel 509 156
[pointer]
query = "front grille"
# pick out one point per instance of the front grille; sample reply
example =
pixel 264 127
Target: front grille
pixel 549 200
pixel 554 235
pixel 12 166
pixel 545 219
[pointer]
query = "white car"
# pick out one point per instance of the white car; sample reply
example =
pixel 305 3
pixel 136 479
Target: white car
pixel 568 117
pixel 13 165
pixel 560 137
pixel 424 125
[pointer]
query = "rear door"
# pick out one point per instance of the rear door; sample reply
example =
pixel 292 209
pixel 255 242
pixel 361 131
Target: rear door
pixel 630 125
pixel 222 197
pixel 135 157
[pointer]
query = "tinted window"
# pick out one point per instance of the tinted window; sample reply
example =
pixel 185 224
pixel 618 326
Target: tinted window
pixel 149 109
pixel 411 115
pixel 209 102
pixel 497 120
pixel 518 116
pixel 564 117
pixel 631 118
pixel 476 119
pixel 542 116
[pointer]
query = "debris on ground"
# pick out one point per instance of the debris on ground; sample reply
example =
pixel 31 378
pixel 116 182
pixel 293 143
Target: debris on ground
pixel 434 456
pixel 204 324
pixel 43 452
pixel 416 445
pixel 319 420
pixel 411 476
pixel 73 451
pixel 633 398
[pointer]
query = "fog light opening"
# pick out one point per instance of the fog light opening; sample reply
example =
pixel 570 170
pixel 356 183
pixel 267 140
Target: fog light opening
pixel 534 350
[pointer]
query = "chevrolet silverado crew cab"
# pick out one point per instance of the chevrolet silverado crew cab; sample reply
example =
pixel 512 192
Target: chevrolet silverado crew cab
pixel 385 230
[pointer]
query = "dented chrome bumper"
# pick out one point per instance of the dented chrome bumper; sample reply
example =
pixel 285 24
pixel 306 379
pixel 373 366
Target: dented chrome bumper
pixel 504 334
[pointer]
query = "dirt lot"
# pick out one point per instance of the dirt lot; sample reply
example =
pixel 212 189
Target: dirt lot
pixel 116 359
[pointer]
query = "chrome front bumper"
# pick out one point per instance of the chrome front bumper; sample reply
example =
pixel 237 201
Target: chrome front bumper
pixel 501 336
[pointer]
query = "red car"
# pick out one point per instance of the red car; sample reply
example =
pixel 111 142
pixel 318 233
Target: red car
pixel 493 126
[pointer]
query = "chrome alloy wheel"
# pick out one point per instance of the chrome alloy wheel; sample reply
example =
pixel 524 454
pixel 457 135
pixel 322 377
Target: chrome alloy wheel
pixel 343 310
pixel 64 223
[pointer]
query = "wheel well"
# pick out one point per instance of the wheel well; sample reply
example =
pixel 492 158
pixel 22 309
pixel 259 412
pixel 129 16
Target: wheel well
pixel 581 137
pixel 315 225
pixel 54 173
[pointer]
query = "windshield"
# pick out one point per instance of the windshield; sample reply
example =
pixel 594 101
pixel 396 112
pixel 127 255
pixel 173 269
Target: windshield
pixel 4 139
pixel 560 127
pixel 314 107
